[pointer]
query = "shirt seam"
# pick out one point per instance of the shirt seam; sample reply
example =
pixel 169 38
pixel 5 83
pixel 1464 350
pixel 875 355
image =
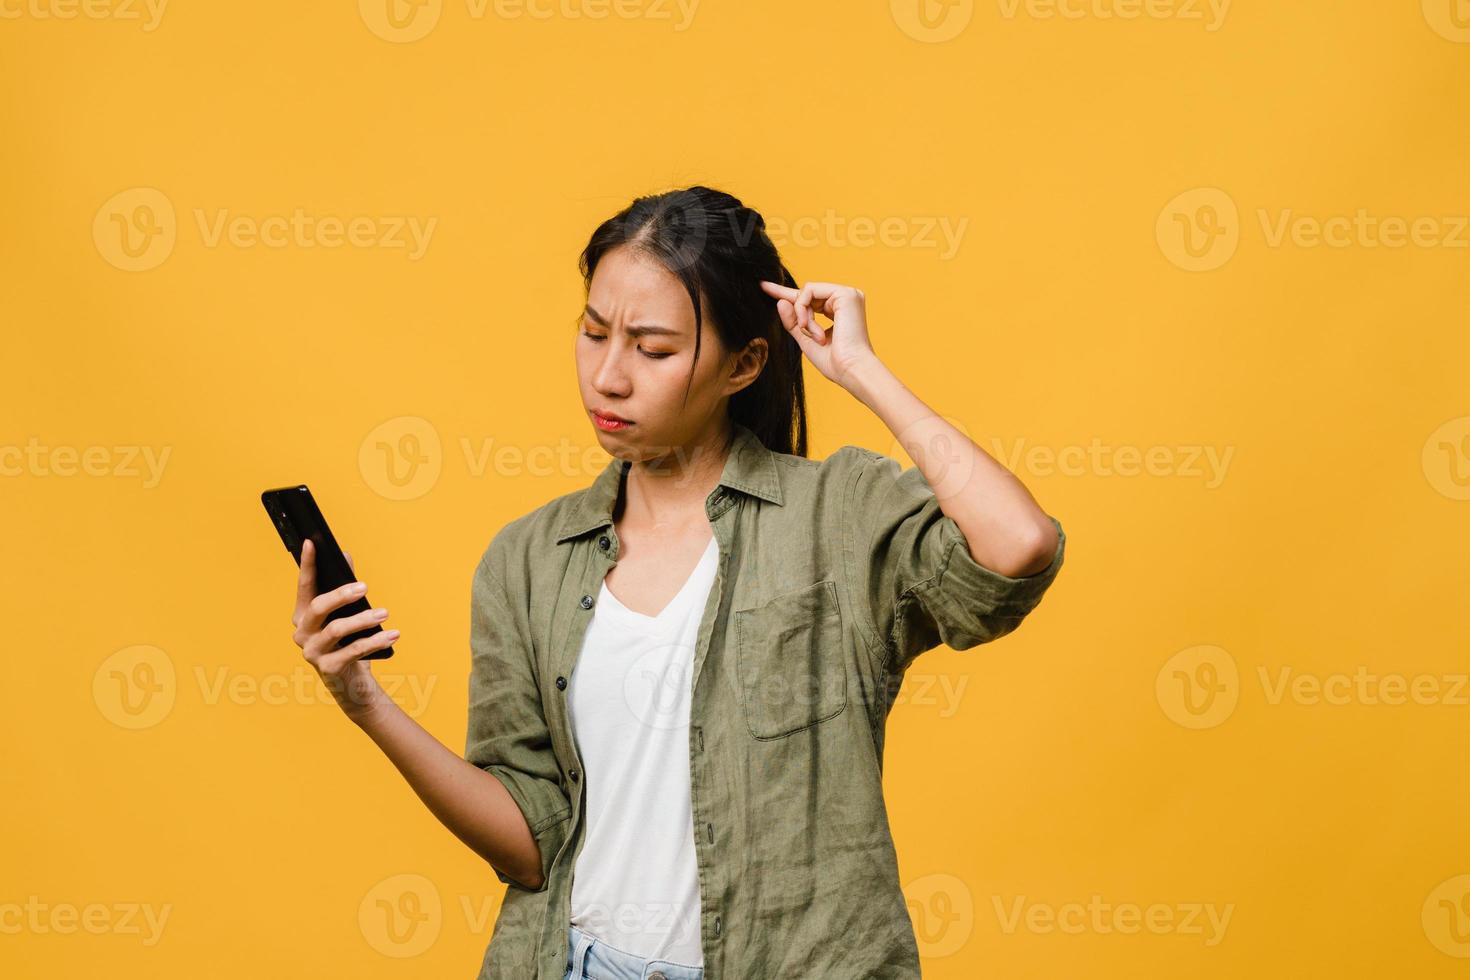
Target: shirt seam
pixel 888 644
pixel 497 596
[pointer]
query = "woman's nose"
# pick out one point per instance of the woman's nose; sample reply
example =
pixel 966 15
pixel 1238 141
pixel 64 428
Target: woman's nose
pixel 610 378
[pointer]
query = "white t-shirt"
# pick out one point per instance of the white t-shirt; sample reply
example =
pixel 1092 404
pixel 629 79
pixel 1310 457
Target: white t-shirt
pixel 636 882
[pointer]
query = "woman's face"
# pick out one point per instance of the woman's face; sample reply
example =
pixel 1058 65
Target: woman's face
pixel 635 352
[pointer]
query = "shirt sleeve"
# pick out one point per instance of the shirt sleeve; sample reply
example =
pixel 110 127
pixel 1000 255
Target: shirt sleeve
pixel 913 572
pixel 507 734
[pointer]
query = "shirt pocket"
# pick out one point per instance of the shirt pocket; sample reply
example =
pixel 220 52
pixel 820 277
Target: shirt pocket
pixel 790 660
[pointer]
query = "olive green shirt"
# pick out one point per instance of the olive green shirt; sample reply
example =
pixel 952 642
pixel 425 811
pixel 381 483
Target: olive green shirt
pixel 833 576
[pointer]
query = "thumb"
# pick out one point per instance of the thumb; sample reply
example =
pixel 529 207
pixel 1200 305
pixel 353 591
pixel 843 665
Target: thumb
pixel 796 331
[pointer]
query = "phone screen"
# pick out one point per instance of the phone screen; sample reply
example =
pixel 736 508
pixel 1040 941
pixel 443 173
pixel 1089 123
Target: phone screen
pixel 297 518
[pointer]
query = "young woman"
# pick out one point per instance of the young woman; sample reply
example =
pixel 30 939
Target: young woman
pixel 681 673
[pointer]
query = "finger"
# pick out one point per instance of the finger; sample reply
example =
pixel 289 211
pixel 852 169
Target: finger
pixel 804 311
pixel 308 560
pixel 326 639
pixel 337 659
pixel 777 290
pixel 319 607
pixel 348 555
pixel 787 313
pixel 788 320
pixel 347 625
pixel 823 296
pixel 802 299
pixel 802 303
pixel 306 580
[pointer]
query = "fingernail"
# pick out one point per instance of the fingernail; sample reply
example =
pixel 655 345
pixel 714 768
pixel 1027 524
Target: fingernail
pixel 359 587
pixel 393 634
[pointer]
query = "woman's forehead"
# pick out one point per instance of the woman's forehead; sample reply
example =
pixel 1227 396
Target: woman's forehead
pixel 638 296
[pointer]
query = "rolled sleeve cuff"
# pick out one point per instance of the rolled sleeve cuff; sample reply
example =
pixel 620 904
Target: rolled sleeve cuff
pixel 546 812
pixel 971 604
pixel 1001 594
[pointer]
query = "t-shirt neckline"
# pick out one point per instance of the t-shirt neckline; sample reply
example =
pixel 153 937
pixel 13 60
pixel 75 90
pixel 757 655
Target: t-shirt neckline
pixel 673 604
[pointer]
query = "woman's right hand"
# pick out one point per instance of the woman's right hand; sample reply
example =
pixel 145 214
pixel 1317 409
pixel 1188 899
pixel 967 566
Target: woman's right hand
pixel 350 679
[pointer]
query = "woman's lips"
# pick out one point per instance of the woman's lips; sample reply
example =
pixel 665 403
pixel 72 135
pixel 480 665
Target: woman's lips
pixel 607 424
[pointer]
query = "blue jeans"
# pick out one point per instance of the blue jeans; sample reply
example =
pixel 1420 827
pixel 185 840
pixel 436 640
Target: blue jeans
pixel 589 958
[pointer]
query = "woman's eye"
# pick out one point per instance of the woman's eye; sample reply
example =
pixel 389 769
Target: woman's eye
pixel 655 355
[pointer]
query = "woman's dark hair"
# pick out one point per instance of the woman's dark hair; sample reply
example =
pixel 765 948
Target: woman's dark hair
pixel 719 249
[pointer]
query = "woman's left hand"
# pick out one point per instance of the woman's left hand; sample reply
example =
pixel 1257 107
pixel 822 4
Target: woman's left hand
pixel 846 346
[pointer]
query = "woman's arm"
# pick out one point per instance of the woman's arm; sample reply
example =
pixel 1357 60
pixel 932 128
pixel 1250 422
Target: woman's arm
pixel 1003 525
pixel 472 803
pixel 1005 529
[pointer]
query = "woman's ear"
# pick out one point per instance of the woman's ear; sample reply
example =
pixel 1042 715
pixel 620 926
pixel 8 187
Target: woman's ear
pixel 748 363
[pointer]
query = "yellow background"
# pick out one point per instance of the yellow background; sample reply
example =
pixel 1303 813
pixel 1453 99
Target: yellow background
pixel 1076 758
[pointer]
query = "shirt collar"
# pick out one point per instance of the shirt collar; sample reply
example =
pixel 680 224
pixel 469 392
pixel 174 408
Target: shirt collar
pixel 750 468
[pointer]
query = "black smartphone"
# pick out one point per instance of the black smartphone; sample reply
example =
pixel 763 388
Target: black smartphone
pixel 297 517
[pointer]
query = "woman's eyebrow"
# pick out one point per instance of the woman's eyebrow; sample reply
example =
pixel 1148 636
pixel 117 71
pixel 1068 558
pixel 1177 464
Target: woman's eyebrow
pixel 638 330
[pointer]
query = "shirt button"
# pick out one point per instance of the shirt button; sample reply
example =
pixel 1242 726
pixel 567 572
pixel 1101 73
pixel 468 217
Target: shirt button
pixel 603 542
pixel 717 925
pixel 573 774
pixel 657 975
pixel 561 683
pixel 586 602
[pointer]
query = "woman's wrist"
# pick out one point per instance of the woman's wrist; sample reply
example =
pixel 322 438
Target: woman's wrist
pixel 865 378
pixel 373 717
pixel 363 699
